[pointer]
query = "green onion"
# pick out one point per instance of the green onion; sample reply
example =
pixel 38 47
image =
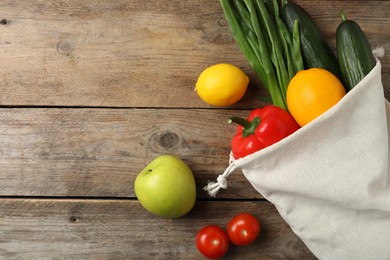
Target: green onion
pixel 276 48
pixel 286 41
pixel 297 48
pixel 266 43
pixel 252 44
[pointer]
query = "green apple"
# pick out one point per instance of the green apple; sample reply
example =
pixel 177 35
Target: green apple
pixel 166 187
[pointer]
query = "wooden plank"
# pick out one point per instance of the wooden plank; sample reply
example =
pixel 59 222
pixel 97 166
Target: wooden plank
pixel 99 152
pixel 137 53
pixel 110 53
pixel 111 229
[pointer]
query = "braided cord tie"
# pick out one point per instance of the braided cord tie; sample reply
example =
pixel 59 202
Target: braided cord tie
pixel 213 187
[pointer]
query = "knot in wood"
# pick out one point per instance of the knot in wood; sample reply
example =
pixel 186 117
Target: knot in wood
pixel 4 21
pixel 64 48
pixel 222 22
pixel 168 140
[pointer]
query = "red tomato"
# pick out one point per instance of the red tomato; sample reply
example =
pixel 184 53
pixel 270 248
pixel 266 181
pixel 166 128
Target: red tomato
pixel 212 242
pixel 243 229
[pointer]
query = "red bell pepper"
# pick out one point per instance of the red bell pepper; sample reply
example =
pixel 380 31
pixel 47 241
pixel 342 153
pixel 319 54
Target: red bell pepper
pixel 264 127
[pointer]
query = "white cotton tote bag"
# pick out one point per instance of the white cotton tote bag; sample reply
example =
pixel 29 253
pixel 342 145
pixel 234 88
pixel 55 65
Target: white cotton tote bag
pixel 330 180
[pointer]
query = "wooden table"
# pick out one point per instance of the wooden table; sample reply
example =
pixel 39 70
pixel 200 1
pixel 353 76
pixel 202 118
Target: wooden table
pixel 92 91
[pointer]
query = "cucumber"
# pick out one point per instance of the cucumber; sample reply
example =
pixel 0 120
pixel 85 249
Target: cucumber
pixel 315 50
pixel 354 52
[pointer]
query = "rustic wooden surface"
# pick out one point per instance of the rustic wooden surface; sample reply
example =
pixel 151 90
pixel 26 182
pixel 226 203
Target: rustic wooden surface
pixel 92 91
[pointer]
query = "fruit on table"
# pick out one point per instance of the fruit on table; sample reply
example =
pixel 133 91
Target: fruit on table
pixel 243 229
pixel 212 241
pixel 312 92
pixel 222 84
pixel 166 187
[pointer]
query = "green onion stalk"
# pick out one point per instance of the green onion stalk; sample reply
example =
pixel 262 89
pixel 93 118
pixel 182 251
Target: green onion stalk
pixel 265 41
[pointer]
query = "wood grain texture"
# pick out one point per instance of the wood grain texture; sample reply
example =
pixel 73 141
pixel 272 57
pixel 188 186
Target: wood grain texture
pixel 137 53
pixel 111 229
pixel 110 53
pixel 99 152
pixel 92 91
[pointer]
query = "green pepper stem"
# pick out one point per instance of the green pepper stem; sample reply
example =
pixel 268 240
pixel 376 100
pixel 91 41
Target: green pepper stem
pixel 240 121
pixel 249 127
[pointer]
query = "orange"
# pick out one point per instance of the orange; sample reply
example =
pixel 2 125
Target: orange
pixel 222 84
pixel 312 92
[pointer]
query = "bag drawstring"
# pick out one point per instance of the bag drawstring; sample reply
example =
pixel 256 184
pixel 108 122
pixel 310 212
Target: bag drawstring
pixel 213 187
pixel 379 52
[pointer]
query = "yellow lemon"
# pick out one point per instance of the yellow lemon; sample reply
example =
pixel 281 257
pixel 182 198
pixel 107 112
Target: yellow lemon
pixel 222 84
